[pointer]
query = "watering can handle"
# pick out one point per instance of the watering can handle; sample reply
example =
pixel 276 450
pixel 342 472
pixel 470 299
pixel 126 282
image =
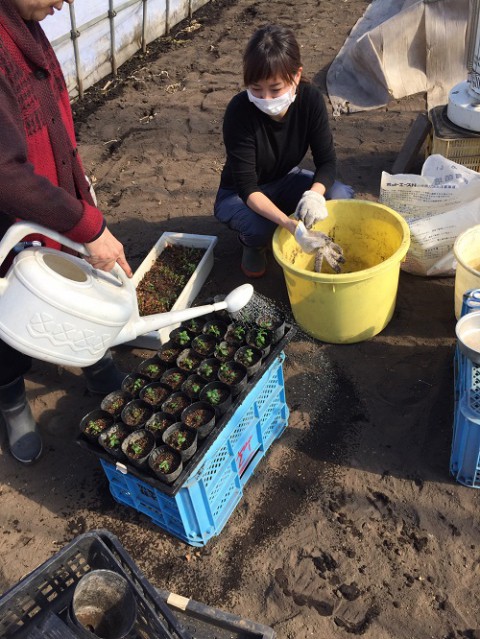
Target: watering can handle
pixel 18 231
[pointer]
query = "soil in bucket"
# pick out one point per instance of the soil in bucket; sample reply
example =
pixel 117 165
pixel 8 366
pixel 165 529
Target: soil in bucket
pixel 357 303
pixel 103 605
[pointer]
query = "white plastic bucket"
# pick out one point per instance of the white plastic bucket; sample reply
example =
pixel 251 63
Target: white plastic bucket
pixel 467 275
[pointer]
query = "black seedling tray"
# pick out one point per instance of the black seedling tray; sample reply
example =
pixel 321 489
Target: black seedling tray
pixel 194 463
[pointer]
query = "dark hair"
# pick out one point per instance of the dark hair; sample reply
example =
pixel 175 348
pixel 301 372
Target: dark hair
pixel 272 51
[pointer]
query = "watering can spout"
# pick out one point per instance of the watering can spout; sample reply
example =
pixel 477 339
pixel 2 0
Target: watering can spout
pixel 233 302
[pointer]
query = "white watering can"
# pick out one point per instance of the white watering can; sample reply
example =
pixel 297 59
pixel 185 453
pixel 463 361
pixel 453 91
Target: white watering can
pixel 56 307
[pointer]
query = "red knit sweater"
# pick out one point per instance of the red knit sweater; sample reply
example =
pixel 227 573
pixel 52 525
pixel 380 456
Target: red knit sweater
pixel 41 175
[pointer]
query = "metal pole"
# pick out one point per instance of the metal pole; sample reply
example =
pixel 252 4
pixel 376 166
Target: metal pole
pixel 144 27
pixel 473 46
pixel 75 34
pixel 111 15
pixel 167 17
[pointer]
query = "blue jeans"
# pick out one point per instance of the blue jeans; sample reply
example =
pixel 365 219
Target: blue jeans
pixel 255 230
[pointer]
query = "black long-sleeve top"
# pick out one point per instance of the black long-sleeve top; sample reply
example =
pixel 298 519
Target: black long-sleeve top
pixel 260 149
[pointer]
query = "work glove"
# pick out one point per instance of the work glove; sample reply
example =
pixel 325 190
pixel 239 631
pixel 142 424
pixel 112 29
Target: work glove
pixel 311 208
pixel 322 244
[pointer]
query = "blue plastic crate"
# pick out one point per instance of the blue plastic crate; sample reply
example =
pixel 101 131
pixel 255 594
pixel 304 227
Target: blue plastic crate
pixel 201 507
pixel 465 454
pixel 465 451
pixel 467 374
pixel 470 301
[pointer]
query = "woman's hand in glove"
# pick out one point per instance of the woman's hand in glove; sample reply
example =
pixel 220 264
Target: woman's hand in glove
pixel 311 208
pixel 316 241
pixel 310 241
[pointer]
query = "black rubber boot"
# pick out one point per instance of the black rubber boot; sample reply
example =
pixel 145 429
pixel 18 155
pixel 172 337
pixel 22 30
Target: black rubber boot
pixel 103 377
pixel 23 437
pixel 254 261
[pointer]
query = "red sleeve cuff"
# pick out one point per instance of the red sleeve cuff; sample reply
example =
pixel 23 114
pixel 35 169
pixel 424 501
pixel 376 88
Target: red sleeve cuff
pixel 89 227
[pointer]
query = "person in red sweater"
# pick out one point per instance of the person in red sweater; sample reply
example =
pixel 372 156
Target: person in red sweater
pixel 42 180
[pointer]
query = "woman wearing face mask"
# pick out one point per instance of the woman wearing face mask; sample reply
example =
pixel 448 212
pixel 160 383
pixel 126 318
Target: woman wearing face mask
pixel 267 131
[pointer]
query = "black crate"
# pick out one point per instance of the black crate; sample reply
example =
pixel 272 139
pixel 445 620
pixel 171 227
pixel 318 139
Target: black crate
pixel 26 610
pixel 37 606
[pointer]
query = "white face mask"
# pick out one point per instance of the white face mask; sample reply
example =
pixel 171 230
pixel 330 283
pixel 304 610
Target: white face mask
pixel 273 106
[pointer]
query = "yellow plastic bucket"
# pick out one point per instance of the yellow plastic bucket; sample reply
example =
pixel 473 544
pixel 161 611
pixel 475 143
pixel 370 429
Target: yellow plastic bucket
pixel 357 303
pixel 467 274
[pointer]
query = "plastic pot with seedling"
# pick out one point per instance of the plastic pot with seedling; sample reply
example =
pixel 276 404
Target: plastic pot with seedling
pixel 137 447
pixel 236 334
pixel 224 351
pixel 134 382
pixel 201 417
pixel 217 394
pixel 174 404
pixel 188 360
pixel 136 413
pixel 155 394
pixel 94 423
pixel 181 438
pixel 158 424
pixel 208 369
pixel 181 337
pixel 153 368
pixel 193 385
pixel 165 463
pixel 250 357
pixel 114 402
pixel 204 344
pixel 112 438
pixel 274 322
pixel 234 374
pixel 261 338
pixel 216 328
pixel 174 377
pixel 194 325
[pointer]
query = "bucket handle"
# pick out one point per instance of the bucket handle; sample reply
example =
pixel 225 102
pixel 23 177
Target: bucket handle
pixel 18 231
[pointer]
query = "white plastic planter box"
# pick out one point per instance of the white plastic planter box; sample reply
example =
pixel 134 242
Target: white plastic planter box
pixel 154 339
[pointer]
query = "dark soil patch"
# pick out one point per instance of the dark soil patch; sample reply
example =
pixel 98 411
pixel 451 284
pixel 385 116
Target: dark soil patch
pixel 159 289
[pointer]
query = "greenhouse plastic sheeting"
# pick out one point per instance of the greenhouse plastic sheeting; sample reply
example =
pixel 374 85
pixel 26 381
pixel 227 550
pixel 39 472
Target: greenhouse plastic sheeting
pixel 399 48
pixel 106 33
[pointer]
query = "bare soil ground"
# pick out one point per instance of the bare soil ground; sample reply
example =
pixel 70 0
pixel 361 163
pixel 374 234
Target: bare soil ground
pixel 351 525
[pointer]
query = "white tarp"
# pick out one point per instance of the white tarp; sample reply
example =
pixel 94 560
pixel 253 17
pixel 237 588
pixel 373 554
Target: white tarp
pixel 108 32
pixel 399 48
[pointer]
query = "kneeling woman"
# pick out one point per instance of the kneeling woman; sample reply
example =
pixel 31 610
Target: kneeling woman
pixel 267 131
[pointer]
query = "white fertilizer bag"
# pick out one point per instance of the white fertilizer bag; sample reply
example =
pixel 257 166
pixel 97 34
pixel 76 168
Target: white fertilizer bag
pixel 437 205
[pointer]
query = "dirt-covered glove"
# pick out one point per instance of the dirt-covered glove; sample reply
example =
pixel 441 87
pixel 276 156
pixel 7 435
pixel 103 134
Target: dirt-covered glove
pixel 311 208
pixel 322 244
pixel 333 253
